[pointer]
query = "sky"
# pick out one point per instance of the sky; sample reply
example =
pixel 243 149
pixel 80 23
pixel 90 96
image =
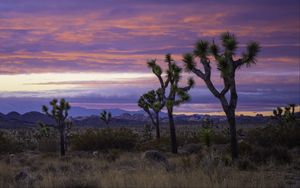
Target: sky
pixel 94 53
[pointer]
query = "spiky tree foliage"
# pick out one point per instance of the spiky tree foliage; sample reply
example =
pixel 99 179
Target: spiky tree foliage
pixel 170 91
pixel 227 65
pixel 44 130
pixel 106 117
pixel 59 112
pixel 152 102
pixel 285 115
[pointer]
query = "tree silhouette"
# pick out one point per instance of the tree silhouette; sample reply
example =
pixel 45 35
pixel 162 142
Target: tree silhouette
pixel 59 113
pixel 176 95
pixel 152 102
pixel 106 117
pixel 227 67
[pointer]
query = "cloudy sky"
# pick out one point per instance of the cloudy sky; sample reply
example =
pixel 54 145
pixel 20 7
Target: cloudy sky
pixel 93 52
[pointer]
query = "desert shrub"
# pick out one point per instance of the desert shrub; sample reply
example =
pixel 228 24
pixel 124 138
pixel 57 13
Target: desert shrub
pixel 245 164
pixel 48 145
pixel 220 138
pixel 284 130
pixel 244 148
pixel 280 155
pixel 162 144
pixel 112 155
pixel 147 132
pixel 287 135
pixel 105 139
pixel 186 162
pixel 187 136
pixel 8 144
pixel 226 159
pixel 47 138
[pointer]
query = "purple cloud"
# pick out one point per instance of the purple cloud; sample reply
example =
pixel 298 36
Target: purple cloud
pixel 120 36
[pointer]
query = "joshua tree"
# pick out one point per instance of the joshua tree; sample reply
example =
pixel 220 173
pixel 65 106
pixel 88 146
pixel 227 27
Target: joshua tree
pixel 227 64
pixel 59 113
pixel 176 95
pixel 152 102
pixel 106 117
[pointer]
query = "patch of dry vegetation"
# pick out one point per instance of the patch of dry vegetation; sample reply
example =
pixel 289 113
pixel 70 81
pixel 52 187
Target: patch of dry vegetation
pixel 124 157
pixel 82 169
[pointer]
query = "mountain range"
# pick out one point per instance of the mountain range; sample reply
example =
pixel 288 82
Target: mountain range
pixel 120 118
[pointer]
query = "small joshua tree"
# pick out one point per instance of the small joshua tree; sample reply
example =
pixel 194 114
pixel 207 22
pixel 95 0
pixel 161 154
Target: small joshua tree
pixel 106 117
pixel 176 95
pixel 152 102
pixel 44 130
pixel 59 113
pixel 227 65
pixel 285 115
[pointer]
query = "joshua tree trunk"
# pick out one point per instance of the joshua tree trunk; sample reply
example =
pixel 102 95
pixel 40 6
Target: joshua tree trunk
pixel 172 131
pixel 157 126
pixel 229 110
pixel 230 114
pixel 62 140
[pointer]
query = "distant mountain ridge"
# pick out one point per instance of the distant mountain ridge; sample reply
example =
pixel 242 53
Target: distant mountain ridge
pixel 31 119
pixel 74 111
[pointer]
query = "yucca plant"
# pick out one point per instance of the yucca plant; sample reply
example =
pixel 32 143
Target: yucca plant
pixel 44 130
pixel 227 65
pixel 206 135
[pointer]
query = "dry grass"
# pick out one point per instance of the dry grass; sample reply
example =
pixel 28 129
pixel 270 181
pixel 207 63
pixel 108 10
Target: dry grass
pixel 128 170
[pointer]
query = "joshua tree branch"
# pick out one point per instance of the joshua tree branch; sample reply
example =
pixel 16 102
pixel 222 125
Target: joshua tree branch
pixel 198 72
pixel 161 81
pixel 238 63
pixel 167 83
pixel 226 87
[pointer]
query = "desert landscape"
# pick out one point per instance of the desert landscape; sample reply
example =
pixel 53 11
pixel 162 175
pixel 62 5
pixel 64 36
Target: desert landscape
pixel 131 156
pixel 167 94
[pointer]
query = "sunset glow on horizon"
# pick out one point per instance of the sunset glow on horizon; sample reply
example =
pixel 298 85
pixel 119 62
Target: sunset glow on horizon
pixel 94 53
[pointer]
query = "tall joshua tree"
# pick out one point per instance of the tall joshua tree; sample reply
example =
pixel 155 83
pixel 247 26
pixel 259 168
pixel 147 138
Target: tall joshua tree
pixel 59 113
pixel 152 102
pixel 227 64
pixel 176 95
pixel 106 117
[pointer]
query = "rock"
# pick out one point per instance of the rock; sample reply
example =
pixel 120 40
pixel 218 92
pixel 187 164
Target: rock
pixel 190 148
pixel 157 157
